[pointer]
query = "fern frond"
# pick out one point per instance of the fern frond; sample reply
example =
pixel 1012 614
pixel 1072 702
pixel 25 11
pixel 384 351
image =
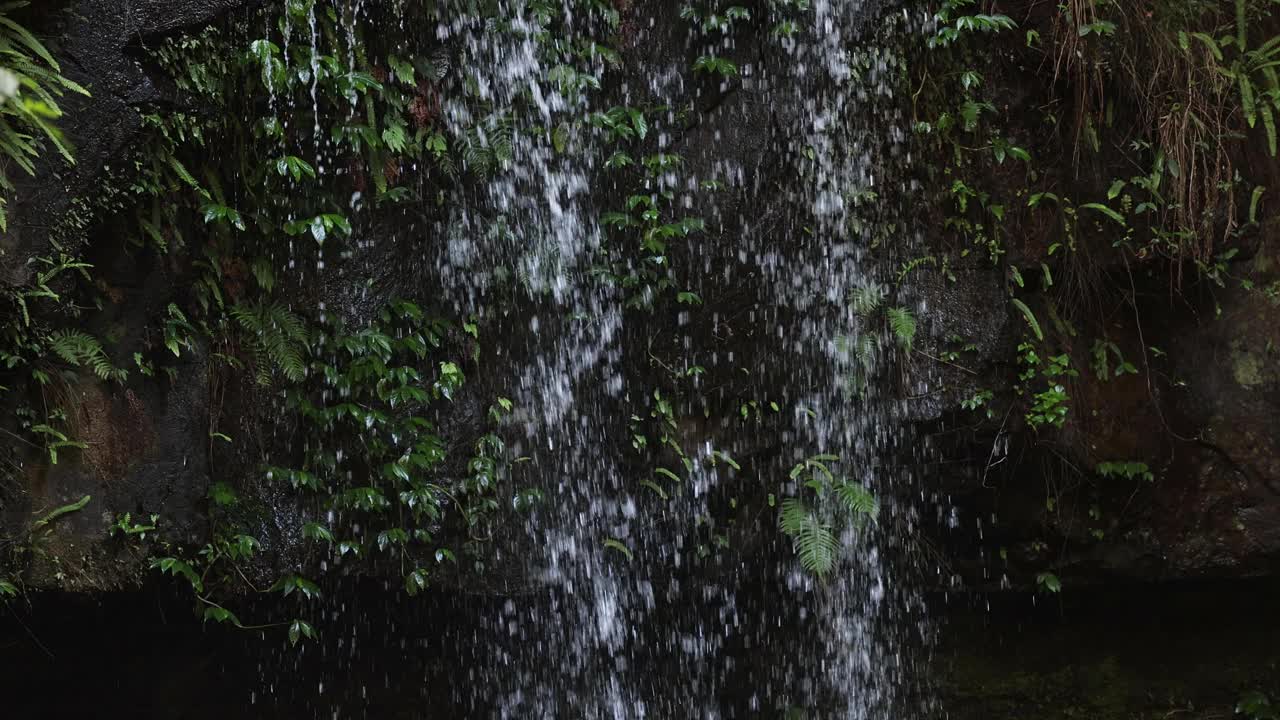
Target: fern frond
pixel 67 345
pixel 866 300
pixel 903 324
pixel 279 337
pixel 29 105
pixel 489 144
pixel 858 500
pixel 790 515
pixel 448 166
pixel 83 350
pixel 814 543
pixel 864 351
pixel 23 36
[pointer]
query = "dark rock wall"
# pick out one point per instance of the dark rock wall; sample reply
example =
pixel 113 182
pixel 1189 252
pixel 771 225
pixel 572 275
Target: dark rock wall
pixel 1204 417
pixel 102 45
pixel 148 442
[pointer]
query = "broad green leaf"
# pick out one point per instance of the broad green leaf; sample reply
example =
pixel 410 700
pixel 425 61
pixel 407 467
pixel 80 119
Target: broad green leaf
pixel 299 629
pixel 1029 317
pixel 1112 214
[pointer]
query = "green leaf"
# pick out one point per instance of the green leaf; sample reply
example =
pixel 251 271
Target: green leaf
pixel 618 159
pixel 295 583
pixel 1210 44
pixel 395 138
pixel 1247 100
pixel 222 494
pixel 638 123
pixel 717 454
pixel 560 137
pixel 1269 124
pixel 715 65
pixel 220 614
pixel 415 582
pixel 667 473
pixel 299 629
pixel 1099 207
pixel 1242 26
pixel 1254 705
pixel 618 546
pixel 1029 317
pixel 59 512
pixel 318 230
pixel 404 70
pixel 655 487
pixel 1049 582
pixel 263 273
pixel 1115 190
pixel 316 531
pixel 184 174
pixel 242 546
pixel 174 566
pixel 1035 199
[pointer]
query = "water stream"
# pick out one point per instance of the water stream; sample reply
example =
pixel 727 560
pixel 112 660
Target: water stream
pixel 664 600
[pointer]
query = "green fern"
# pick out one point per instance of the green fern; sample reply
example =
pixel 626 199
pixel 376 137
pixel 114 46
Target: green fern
pixel 489 144
pixel 279 338
pixel 864 355
pixel 83 350
pixel 864 351
pixel 914 264
pixel 903 324
pixel 814 542
pixel 866 300
pixel 858 501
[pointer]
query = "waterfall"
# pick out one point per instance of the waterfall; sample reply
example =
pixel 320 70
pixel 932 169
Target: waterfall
pixel 651 579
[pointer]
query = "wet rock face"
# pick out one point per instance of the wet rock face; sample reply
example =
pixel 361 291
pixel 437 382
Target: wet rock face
pixel 1201 412
pixel 148 441
pixel 1205 422
pixel 102 46
pixel 1226 515
pixel 148 448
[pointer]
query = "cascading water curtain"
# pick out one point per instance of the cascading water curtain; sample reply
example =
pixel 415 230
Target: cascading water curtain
pixel 685 218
